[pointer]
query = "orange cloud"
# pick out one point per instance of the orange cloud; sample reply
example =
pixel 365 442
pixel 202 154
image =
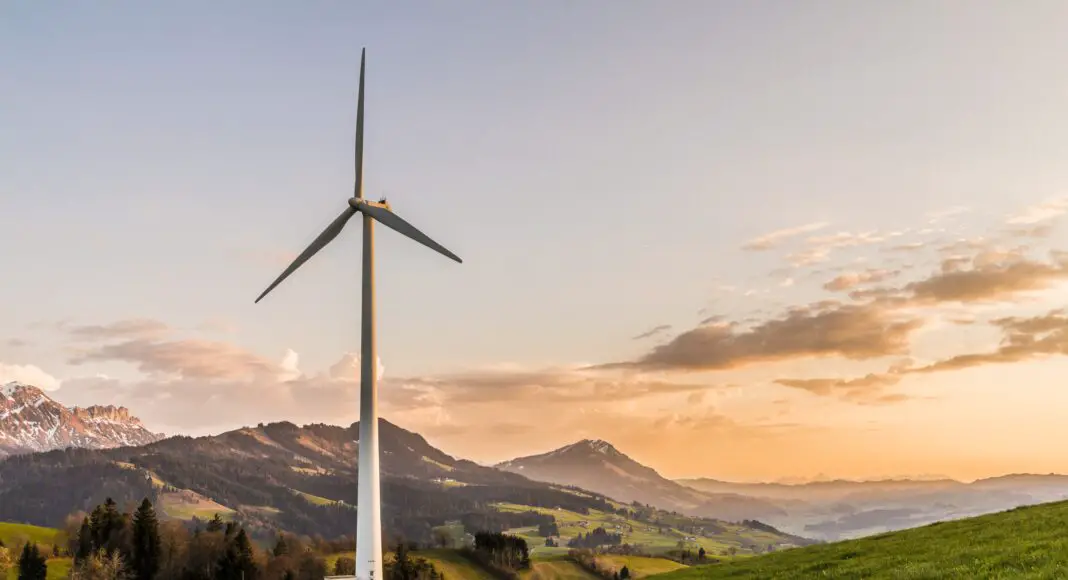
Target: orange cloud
pixel 818 330
pixel 853 279
pixel 770 240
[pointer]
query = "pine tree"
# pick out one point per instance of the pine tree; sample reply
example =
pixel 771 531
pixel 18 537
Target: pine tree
pixel 238 562
pixel 32 565
pixel 85 541
pixel 280 547
pixel 146 542
pixel 216 524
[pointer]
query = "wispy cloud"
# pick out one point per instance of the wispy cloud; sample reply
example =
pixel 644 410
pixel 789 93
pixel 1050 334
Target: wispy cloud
pixel 1041 212
pixel 29 374
pixel 135 327
pixel 660 329
pixel 772 239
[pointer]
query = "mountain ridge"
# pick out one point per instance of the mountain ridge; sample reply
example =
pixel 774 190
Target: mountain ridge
pixel 597 465
pixel 31 422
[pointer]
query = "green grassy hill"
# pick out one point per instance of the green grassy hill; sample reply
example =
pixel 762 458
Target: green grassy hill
pixel 555 569
pixel 14 534
pixel 1029 542
pixel 644 534
pixel 11 534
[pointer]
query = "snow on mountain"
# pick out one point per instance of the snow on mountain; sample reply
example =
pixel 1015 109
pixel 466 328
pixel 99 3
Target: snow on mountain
pixel 31 421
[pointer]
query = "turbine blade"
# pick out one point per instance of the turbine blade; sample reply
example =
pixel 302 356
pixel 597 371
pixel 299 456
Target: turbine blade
pixel 320 242
pixel 394 222
pixel 357 190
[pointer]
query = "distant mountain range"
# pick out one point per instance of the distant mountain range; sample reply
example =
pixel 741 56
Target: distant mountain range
pixel 30 421
pixel 840 509
pixel 598 466
pixel 302 479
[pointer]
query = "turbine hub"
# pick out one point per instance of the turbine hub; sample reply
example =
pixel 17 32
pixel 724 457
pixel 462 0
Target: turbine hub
pixel 354 202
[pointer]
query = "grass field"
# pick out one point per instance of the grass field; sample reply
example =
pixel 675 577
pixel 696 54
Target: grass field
pixel 11 534
pixel 640 566
pixel 556 569
pixel 1026 543
pixel 653 541
pixel 58 569
pixel 453 565
pixel 183 506
pixel 314 498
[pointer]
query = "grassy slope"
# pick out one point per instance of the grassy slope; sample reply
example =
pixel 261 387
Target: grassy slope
pixel 1029 542
pixel 11 534
pixel 555 569
pixel 653 542
pixel 641 566
pixel 58 568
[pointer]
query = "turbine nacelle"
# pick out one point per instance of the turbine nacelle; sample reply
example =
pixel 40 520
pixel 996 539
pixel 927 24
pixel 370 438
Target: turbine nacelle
pixel 358 204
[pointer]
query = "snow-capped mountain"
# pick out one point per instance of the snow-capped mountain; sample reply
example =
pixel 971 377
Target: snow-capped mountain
pixel 31 421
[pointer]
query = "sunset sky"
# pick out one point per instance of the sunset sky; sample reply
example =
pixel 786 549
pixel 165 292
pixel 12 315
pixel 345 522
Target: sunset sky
pixel 749 241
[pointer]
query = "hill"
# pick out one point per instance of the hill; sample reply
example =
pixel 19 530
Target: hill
pixel 298 479
pixel 598 466
pixel 31 421
pixel 1026 542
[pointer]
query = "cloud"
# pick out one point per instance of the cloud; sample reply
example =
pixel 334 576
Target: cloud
pixel 204 386
pixel 853 279
pixel 348 368
pixel 990 277
pixel 16 343
pixel 941 215
pixel 131 328
pixel 1024 338
pixel 772 239
pixel 29 374
pixel 542 386
pixel 866 390
pixel 879 323
pixel 819 330
pixel 909 247
pixel 653 331
pixel 290 365
pixel 1045 211
pixel 819 248
pixel 188 359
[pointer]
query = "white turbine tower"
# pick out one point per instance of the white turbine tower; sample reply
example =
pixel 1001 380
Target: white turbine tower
pixel 368 514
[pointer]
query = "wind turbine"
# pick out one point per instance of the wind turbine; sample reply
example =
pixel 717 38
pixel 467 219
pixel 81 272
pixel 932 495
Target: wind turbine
pixel 368 514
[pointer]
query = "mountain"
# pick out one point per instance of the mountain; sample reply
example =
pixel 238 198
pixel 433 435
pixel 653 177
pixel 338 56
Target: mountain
pixel 31 421
pixel 302 480
pixel 841 509
pixel 598 466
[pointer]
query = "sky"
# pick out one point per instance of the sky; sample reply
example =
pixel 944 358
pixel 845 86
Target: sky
pixel 749 241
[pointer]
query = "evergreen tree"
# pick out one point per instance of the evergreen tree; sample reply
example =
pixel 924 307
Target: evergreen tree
pixel 238 563
pixel 85 541
pixel 32 565
pixel 280 547
pixel 216 524
pixel 146 542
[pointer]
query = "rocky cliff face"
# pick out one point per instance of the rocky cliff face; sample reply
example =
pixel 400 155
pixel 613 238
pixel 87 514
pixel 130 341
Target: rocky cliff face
pixel 31 421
